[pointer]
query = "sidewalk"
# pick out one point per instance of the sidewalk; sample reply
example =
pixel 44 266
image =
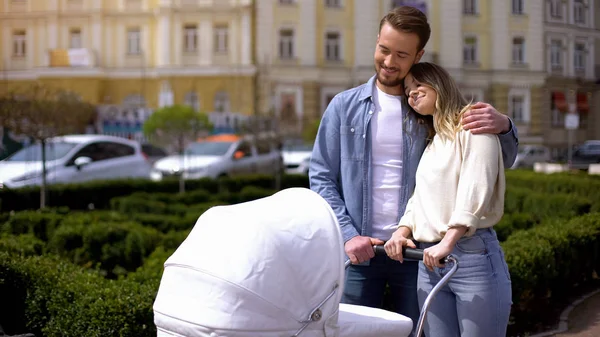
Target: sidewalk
pixel 584 319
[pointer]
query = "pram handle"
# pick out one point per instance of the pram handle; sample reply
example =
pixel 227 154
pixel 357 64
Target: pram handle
pixel 407 253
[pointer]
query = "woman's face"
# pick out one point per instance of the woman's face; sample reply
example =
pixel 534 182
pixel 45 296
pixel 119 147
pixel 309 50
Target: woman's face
pixel 420 97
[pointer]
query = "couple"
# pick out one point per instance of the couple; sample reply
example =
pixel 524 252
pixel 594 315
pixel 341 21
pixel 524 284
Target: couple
pixel 431 178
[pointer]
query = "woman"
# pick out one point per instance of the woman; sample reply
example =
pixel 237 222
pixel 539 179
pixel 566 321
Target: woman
pixel 459 197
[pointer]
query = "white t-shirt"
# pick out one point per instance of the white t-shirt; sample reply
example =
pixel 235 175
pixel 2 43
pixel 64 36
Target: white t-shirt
pixel 386 140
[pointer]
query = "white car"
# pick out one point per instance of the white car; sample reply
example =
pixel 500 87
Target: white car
pixel 531 154
pixel 296 157
pixel 75 158
pixel 222 155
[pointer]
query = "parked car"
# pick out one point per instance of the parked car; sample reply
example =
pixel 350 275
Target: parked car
pixel 75 158
pixel 222 155
pixel 296 157
pixel 586 154
pixel 153 153
pixel 531 154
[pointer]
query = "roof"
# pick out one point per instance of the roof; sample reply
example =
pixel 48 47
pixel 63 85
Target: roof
pixel 84 138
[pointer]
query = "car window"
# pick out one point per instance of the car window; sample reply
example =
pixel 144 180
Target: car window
pixel 104 150
pixel 112 150
pixel 263 147
pixel 245 147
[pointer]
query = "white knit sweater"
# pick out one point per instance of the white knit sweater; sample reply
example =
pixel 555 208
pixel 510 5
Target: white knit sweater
pixel 459 182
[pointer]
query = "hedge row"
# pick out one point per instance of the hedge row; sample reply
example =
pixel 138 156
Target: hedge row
pixel 51 296
pixel 97 194
pixel 545 259
pixel 574 184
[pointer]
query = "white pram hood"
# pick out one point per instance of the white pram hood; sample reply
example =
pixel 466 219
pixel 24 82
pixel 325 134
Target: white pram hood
pixel 256 269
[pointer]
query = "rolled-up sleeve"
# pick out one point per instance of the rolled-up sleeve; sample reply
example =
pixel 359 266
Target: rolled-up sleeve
pixel 477 181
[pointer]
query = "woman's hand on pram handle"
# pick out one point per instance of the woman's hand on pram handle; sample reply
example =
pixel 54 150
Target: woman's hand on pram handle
pixel 360 248
pixel 407 253
pixel 395 246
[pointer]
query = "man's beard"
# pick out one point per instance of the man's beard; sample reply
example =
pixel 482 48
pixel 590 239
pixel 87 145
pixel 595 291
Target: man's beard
pixel 390 82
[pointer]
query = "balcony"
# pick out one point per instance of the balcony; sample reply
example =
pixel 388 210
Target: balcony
pixel 71 58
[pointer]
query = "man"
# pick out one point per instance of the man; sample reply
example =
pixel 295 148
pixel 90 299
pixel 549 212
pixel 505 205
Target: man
pixel 365 158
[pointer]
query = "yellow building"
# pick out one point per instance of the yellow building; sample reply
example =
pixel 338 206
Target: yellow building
pixel 141 53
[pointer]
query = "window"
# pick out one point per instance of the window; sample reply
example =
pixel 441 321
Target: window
pixel 518 50
pixel 287 2
pixel 192 100
pixel 579 12
pixel 556 54
pixel 517 7
pixel 557 117
pixel 221 38
pixel 470 7
pixel 333 3
pixel 75 38
pixel 286 44
pixel 221 103
pixel 517 107
pixel 579 57
pixel 556 8
pixel 332 46
pixel 470 50
pixel 19 43
pixel 190 38
pixel 134 40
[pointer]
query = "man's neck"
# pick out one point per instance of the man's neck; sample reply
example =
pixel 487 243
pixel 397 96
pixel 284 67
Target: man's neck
pixel 395 91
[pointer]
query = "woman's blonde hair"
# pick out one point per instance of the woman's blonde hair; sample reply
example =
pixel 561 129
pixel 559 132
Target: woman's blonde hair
pixel 450 104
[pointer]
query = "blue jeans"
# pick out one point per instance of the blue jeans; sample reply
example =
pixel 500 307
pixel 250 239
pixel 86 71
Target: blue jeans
pixel 477 299
pixel 365 285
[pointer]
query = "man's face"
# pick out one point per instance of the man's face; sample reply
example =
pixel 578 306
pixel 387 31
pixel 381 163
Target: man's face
pixel 395 53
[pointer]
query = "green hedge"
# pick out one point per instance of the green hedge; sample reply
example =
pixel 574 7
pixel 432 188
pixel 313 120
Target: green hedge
pixel 114 247
pixel 97 194
pixel 545 205
pixel 51 297
pixel 574 184
pixel 545 259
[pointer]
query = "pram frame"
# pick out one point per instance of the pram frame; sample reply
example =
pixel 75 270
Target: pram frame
pixel 417 254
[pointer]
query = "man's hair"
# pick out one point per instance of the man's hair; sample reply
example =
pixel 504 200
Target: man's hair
pixel 408 19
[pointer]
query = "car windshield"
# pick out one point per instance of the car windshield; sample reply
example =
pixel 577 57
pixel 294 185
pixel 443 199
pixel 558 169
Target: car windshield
pixel 208 148
pixel 54 150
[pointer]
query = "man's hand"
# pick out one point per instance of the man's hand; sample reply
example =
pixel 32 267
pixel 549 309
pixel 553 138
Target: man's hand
pixel 393 247
pixel 360 248
pixel 484 118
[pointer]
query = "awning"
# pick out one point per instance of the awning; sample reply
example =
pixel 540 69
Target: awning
pixel 559 100
pixel 583 105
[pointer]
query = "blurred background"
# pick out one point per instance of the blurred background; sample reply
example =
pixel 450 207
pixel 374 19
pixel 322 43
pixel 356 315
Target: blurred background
pixel 274 65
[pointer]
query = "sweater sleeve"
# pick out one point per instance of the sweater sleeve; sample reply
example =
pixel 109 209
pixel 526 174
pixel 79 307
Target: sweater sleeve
pixel 408 219
pixel 480 156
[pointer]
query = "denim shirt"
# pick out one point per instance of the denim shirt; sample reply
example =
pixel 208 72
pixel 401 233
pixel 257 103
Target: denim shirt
pixel 340 166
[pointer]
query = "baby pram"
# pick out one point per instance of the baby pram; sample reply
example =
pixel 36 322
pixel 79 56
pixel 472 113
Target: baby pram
pixel 272 267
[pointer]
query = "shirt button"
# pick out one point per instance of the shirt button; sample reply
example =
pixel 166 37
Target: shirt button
pixel 351 129
pixel 364 136
pixel 370 112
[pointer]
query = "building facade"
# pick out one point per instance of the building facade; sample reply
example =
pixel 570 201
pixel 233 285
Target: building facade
pixel 571 58
pixel 133 53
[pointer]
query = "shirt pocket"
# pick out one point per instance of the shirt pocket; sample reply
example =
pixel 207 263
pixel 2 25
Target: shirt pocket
pixel 352 142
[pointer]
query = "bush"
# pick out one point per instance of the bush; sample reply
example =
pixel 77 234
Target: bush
pixel 25 244
pixel 97 194
pixel 513 222
pixel 51 297
pixel 546 258
pixel 114 247
pixel 40 224
pixel 542 206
